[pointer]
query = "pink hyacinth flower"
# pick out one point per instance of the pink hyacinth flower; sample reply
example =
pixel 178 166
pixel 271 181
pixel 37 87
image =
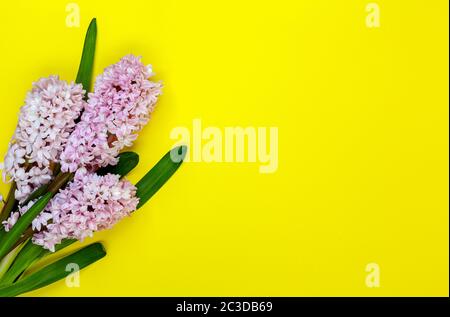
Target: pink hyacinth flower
pixel 117 110
pixel 88 204
pixel 45 123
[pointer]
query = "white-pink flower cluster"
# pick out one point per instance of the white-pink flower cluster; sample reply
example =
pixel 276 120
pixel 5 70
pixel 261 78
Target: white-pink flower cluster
pixel 88 204
pixel 45 123
pixel 57 126
pixel 119 107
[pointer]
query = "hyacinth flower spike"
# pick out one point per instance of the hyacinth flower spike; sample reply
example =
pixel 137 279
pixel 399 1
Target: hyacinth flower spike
pixel 32 159
pixel 33 155
pixel 117 110
pixel 45 123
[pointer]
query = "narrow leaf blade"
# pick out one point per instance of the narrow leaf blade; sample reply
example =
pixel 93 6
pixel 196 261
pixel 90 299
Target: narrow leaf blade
pixel 29 254
pixel 36 194
pixel 11 237
pixel 55 271
pixel 85 69
pixel 159 174
pixel 127 162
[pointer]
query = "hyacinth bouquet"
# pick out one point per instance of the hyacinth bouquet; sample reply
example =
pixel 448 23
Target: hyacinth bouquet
pixel 66 167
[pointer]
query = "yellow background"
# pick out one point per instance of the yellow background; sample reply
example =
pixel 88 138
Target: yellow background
pixel 363 142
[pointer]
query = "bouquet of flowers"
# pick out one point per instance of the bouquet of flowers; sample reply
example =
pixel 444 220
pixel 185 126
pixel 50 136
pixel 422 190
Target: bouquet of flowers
pixel 66 168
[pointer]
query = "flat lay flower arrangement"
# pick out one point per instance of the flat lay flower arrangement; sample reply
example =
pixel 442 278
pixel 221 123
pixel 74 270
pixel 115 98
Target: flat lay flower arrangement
pixel 66 169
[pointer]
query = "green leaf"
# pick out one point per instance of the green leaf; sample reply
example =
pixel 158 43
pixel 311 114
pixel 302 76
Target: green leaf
pixel 85 69
pixel 29 254
pixel 2 233
pixel 159 174
pixel 5 263
pixel 55 271
pixel 127 161
pixel 12 236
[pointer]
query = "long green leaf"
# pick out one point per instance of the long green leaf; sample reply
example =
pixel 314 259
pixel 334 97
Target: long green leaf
pixel 12 236
pixel 2 232
pixel 127 161
pixel 159 174
pixel 5 263
pixel 36 194
pixel 29 254
pixel 85 69
pixel 55 271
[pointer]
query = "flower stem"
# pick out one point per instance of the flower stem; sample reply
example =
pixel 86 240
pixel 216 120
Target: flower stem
pixel 10 203
pixel 60 180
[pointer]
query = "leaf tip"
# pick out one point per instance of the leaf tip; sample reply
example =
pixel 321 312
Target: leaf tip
pixel 178 153
pixel 100 248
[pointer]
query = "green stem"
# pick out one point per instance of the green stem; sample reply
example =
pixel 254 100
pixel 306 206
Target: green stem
pixel 60 180
pixel 10 203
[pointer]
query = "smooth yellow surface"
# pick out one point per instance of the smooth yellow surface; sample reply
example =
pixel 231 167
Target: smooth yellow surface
pixel 363 142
